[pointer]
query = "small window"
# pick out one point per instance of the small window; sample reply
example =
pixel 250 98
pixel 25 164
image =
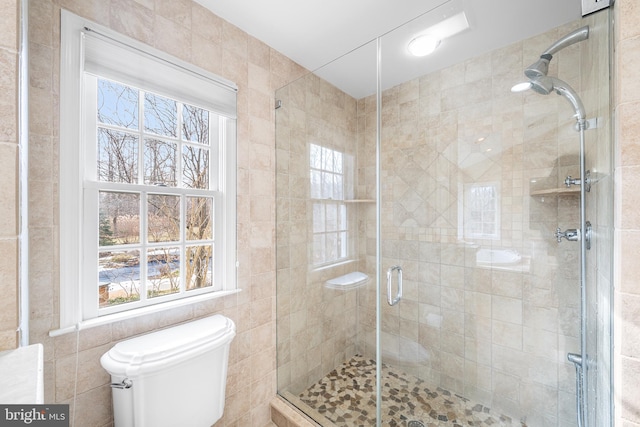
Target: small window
pixel 147 176
pixel 330 223
pixel 482 210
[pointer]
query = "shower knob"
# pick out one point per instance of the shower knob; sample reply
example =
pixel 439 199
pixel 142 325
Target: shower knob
pixel 571 234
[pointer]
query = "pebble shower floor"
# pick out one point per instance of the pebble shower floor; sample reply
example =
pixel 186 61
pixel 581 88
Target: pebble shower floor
pixel 346 397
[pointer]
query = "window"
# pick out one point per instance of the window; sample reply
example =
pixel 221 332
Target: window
pixel 330 225
pixel 147 177
pixel 482 210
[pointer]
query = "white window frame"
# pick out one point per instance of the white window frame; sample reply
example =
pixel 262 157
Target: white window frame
pixel 492 218
pixel 342 203
pixel 89 47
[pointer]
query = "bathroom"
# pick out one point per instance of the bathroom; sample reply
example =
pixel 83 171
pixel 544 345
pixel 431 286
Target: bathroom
pixel 188 31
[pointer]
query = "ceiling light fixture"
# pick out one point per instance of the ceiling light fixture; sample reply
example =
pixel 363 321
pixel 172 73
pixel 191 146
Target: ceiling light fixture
pixel 430 38
pixel 423 45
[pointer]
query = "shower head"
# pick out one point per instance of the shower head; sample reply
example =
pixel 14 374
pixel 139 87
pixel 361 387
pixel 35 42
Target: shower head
pixel 541 66
pixel 538 68
pixel 542 85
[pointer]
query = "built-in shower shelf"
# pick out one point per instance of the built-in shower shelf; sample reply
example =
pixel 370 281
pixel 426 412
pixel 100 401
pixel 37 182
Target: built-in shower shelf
pixel 360 201
pixel 561 191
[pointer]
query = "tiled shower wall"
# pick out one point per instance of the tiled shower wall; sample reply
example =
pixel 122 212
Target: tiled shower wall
pixel 9 160
pixel 627 235
pixel 192 33
pixel 500 334
pixel 316 325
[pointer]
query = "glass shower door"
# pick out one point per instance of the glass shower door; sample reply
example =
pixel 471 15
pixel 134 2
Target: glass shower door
pixel 325 195
pixel 465 180
pixel 472 189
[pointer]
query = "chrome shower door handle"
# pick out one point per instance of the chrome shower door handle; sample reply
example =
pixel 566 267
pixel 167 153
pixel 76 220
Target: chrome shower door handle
pixel 398 297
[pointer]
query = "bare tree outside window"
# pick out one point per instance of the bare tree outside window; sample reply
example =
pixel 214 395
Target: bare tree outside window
pixel 163 218
pixel 160 115
pixel 118 104
pixel 148 140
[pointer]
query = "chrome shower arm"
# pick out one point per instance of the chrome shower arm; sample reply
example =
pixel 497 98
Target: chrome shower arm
pixel 573 37
pixel 541 66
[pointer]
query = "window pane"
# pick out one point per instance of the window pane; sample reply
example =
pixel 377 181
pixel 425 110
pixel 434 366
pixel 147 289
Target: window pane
pixel 315 156
pixel 160 163
pixel 481 210
pixel 316 184
pixel 119 277
pixel 117 156
pixel 195 124
pixel 327 159
pixel 318 218
pixel 343 245
pixel 199 218
pixel 489 229
pixel 319 249
pixel 342 217
pixel 119 218
pixel 332 217
pixel 337 162
pixel 160 115
pixel 163 271
pixel 117 104
pixel 337 187
pixel 332 247
pixel 163 216
pixel 199 265
pixel 327 185
pixel 195 167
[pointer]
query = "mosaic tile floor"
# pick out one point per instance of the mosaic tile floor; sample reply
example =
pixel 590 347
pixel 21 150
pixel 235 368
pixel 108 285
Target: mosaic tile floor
pixel 346 396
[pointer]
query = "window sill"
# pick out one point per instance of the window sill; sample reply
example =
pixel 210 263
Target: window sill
pixel 130 314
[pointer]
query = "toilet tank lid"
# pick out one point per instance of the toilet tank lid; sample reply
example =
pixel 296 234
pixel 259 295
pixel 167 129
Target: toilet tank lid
pixel 167 345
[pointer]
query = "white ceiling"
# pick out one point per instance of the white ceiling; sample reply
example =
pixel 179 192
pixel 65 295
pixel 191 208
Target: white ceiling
pixel 316 32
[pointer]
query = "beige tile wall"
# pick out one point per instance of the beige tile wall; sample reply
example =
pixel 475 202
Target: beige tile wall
pixel 627 275
pixel 9 171
pixel 499 336
pixel 316 325
pixel 187 30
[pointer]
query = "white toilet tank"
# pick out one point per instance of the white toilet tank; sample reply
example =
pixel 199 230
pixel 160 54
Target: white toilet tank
pixel 173 377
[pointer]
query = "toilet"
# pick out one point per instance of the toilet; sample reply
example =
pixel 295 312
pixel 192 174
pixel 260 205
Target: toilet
pixel 172 377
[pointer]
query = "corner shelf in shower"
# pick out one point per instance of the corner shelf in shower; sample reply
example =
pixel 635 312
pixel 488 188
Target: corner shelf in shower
pixel 561 191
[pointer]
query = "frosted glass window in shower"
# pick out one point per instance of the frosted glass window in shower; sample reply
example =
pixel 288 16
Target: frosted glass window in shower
pixel 327 190
pixel 482 210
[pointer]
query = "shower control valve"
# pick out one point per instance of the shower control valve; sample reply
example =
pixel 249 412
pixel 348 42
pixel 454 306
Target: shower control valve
pixel 571 234
pixel 569 181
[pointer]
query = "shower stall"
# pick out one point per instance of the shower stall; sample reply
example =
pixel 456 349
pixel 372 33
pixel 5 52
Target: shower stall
pixel 422 277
